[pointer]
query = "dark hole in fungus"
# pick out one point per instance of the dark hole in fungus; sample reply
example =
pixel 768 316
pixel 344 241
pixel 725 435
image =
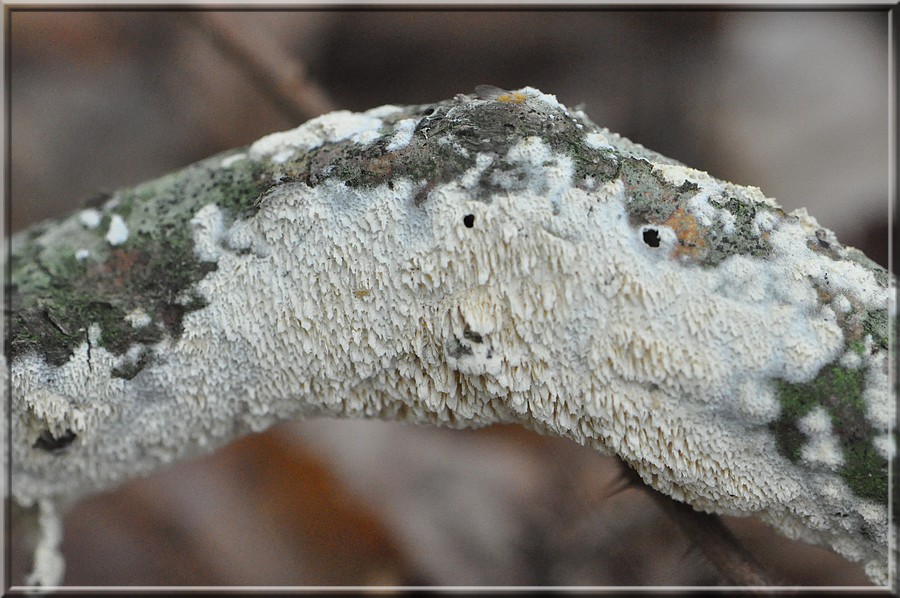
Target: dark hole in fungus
pixel 458 349
pixel 469 220
pixel 472 336
pixel 651 237
pixel 46 441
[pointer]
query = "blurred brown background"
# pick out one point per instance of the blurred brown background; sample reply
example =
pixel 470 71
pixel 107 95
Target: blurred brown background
pixel 793 102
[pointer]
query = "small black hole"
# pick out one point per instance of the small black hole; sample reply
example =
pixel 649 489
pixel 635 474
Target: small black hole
pixel 46 441
pixel 651 237
pixel 469 220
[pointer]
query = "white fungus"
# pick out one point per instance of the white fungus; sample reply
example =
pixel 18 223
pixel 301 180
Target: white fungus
pixel 138 318
pixel 763 222
pixel 118 231
pixel 231 160
pixel 851 360
pixel 546 98
pixel 842 304
pixel 90 218
pixel 208 227
pixel 403 134
pixel 515 296
pixel 886 445
pixel 328 128
pixel 597 141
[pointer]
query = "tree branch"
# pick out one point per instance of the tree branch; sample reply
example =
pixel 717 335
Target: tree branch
pixel 494 258
pixel 708 533
pixel 282 79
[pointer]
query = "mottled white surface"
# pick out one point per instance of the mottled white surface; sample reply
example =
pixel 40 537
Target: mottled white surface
pixel 118 231
pixel 233 159
pixel 331 127
pixel 90 218
pixel 138 318
pixel 550 310
pixel 403 135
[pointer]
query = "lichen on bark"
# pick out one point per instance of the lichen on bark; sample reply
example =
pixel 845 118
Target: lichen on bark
pixel 463 263
pixel 55 297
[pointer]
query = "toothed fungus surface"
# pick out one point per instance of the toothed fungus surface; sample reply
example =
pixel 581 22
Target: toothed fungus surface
pixel 464 263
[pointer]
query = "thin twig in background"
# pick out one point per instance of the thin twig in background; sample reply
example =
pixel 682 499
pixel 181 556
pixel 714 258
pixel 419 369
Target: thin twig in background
pixel 281 79
pixel 709 534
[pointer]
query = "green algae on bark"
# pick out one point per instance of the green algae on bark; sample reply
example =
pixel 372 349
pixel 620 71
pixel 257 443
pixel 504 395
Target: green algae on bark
pixel 468 262
pixel 56 294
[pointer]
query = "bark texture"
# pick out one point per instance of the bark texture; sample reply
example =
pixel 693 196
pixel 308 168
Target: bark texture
pixel 492 258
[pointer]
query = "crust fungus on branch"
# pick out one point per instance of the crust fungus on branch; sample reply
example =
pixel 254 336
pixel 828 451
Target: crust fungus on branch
pixel 489 258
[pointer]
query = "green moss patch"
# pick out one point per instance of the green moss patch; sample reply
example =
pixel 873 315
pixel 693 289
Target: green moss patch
pixel 653 199
pixel 740 241
pixel 875 323
pixel 54 298
pixel 52 314
pixel 446 143
pixel 839 390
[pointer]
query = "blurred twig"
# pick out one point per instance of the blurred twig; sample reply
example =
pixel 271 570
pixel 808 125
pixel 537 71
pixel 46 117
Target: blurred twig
pixel 708 533
pixel 281 79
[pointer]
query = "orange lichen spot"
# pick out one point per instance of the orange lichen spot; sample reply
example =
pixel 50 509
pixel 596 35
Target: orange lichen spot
pixel 489 92
pixel 362 292
pixel 118 268
pixel 380 166
pixel 512 98
pixel 689 233
pixel 824 295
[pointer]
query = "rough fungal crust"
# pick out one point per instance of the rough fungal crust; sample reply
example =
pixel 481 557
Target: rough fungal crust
pixel 490 258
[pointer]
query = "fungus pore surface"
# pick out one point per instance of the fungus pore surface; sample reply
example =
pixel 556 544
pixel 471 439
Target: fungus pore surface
pixel 469 262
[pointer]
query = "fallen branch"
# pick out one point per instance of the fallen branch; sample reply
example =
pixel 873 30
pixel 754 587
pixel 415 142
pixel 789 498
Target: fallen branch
pixel 707 533
pixel 281 78
pixel 488 259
